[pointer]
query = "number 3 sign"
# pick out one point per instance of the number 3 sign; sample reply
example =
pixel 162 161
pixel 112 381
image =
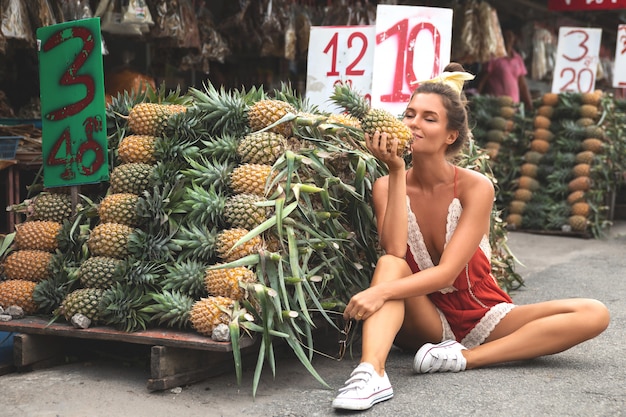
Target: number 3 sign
pixel 576 60
pixel 71 76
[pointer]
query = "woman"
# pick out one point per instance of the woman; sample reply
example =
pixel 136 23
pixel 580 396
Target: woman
pixel 432 291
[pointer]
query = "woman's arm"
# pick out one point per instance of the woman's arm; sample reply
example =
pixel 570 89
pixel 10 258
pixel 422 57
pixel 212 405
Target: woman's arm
pixel 389 199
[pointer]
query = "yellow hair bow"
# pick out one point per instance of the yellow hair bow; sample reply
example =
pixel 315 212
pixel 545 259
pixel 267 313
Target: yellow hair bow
pixel 454 79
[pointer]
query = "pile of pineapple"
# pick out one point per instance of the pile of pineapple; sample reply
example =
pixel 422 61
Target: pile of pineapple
pixel 564 177
pixel 249 209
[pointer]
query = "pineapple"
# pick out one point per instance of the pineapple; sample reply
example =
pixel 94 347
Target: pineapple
pixel 122 307
pixel 507 111
pixel 100 272
pixel 243 210
pixel 344 120
pixel 137 148
pixel 530 170
pixel 550 99
pixel 226 282
pixel 133 178
pixel 594 145
pixel 495 135
pixel 581 208
pixel 18 292
pixel 251 178
pixel 589 111
pixel 575 197
pixel 522 194
pixel 119 208
pixel 533 157
pixel 37 235
pixel 514 221
pixel 539 145
pixel 581 170
pixel 261 147
pixel 85 301
pixel 585 157
pixel 151 118
pixel 110 240
pixel 528 183
pixel 579 184
pixel 546 111
pixel 53 207
pixel 203 244
pixel 543 134
pixel 266 112
pixel 208 312
pixel 373 120
pixel 541 122
pixel 594 131
pixel 185 277
pixel 498 123
pixel 517 207
pixel 578 223
pixel 30 265
pixel 170 309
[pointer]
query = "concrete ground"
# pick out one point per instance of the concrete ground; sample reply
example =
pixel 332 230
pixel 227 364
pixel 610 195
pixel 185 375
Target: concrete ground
pixel 587 380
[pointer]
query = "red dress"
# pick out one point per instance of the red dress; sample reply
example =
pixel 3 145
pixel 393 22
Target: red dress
pixel 472 307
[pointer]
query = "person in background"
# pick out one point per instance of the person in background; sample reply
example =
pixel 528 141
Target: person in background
pixel 432 290
pixel 506 76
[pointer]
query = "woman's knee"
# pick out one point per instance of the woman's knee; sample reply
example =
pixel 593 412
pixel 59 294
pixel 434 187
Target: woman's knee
pixel 390 268
pixel 596 314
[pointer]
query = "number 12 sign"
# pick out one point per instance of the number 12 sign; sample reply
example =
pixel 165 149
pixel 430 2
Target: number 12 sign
pixel 339 54
pixel 576 60
pixel 72 103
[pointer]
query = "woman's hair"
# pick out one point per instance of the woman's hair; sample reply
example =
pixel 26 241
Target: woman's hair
pixel 455 105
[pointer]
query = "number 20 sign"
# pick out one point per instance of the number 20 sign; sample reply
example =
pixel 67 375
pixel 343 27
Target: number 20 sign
pixel 576 60
pixel 71 76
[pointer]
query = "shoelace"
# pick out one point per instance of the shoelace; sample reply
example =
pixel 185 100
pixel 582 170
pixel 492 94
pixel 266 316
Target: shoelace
pixel 358 379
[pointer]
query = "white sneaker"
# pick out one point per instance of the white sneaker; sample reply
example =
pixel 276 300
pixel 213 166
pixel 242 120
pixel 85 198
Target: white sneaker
pixel 363 389
pixel 443 357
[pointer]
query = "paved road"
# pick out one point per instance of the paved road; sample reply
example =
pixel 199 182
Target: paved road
pixel 587 380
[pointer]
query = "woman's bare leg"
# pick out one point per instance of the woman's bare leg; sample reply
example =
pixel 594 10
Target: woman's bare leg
pixel 382 327
pixel 534 330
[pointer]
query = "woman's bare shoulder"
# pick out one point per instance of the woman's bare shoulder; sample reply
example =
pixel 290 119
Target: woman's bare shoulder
pixel 474 181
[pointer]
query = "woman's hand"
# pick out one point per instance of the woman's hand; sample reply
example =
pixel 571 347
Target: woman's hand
pixel 363 304
pixel 377 145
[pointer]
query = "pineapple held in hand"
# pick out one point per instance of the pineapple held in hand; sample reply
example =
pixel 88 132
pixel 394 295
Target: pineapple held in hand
pixel 373 120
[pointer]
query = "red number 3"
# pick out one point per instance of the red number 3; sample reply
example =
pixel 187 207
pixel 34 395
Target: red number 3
pixel 71 76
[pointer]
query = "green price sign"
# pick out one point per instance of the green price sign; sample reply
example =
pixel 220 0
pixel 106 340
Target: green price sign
pixel 71 76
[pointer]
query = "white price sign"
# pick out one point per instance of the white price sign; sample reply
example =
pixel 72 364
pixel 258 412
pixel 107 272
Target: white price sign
pixel 619 74
pixel 413 44
pixel 577 60
pixel 339 54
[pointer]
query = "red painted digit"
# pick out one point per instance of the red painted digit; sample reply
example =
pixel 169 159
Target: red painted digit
pixel 568 86
pixel 350 71
pixel 71 76
pixel 580 44
pixel 52 160
pixel 410 73
pixel 333 45
pixel 623 40
pixel 92 124
pixel 590 83
pixel 400 30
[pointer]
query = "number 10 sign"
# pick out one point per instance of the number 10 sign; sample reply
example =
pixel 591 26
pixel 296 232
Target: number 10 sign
pixel 412 44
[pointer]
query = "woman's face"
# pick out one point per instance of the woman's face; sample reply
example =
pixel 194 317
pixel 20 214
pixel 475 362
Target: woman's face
pixel 427 118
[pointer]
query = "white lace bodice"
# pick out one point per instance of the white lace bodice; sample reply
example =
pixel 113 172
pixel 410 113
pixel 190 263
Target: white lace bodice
pixel 418 246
